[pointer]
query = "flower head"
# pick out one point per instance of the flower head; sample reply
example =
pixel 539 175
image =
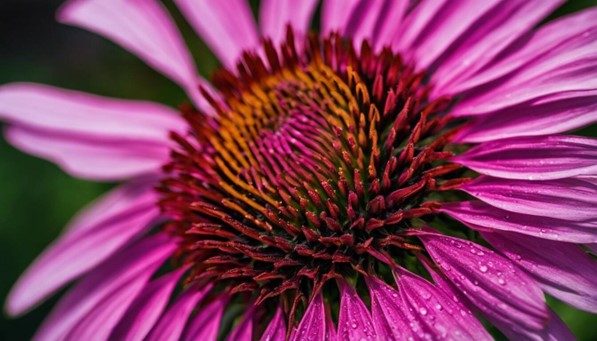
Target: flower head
pixel 394 176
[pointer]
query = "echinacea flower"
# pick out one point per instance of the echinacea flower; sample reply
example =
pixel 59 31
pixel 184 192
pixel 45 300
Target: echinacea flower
pixel 396 175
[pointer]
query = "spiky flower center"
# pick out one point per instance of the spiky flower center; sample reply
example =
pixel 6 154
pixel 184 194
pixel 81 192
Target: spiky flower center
pixel 315 162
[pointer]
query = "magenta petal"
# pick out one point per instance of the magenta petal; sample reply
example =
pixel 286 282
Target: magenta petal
pixel 205 324
pixel 368 18
pixel 436 309
pixel 83 248
pixel 389 320
pixel 555 43
pixel 567 199
pixel 452 21
pixel 146 309
pixel 533 158
pixel 354 320
pixel 67 111
pixel 129 267
pixel 244 330
pixel 563 270
pixel 415 24
pixel 142 27
pixel 275 15
pixel 547 78
pixel 171 324
pixel 276 329
pixel 227 26
pixel 490 35
pixel 482 217
pixel 506 295
pixel 313 323
pixel 543 118
pixel 90 158
pixel 335 15
pixel 67 127
pixel 557 330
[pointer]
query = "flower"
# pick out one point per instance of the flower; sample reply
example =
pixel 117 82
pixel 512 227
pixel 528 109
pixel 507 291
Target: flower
pixel 392 175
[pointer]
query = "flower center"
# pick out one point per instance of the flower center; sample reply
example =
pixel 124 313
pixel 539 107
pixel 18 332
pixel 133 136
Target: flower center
pixel 315 162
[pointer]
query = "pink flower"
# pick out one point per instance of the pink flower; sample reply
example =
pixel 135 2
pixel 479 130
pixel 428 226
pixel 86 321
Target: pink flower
pixel 393 176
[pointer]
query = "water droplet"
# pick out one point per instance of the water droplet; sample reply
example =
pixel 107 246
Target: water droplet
pixel 423 311
pixel 354 325
pixel 439 307
pixel 483 268
pixel 501 281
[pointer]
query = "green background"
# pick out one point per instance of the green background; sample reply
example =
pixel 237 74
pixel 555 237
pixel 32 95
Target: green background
pixel 36 198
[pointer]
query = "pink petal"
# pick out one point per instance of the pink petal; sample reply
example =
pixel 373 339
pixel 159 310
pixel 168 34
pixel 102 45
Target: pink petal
pixel 142 27
pixel 507 296
pixel 415 23
pixel 275 15
pixel 67 111
pixel 335 15
pixel 206 323
pixel 567 199
pixel 533 158
pixel 389 319
pixel 84 248
pixel 313 323
pixel 146 309
pixel 553 41
pixel 227 27
pixel 244 330
pixel 563 270
pixel 388 25
pixel 449 23
pixel 354 320
pixel 90 158
pixel 557 73
pixel 435 308
pixel 544 118
pixel 110 204
pixel 103 318
pixel 492 34
pixel 171 324
pixel 276 329
pixel 482 217
pixel 129 267
pixel 365 17
pixel 75 123
pixel 557 330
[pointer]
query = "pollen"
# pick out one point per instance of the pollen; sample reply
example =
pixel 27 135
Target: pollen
pixel 318 158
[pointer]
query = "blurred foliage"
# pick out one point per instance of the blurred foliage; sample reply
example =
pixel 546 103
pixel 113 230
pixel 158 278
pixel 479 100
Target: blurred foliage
pixel 36 198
